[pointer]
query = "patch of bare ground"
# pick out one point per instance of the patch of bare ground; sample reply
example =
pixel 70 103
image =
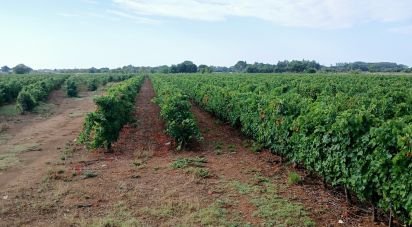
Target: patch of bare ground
pixel 33 140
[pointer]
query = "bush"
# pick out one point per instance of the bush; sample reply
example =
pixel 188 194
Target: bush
pixel 71 88
pixel 92 85
pixel 294 178
pixel 25 102
pixel 102 127
pixel 32 94
pixel 175 110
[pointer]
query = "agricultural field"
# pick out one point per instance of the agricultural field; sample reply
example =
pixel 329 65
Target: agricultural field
pixel 205 150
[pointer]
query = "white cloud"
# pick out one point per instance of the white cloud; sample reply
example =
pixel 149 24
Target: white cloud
pixel 136 19
pixel 406 30
pixel 291 13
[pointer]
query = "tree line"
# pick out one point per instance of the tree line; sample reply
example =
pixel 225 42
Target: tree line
pixel 18 69
pixel 286 66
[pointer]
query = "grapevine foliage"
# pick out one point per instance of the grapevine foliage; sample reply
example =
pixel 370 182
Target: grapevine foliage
pixel 12 85
pixel 91 81
pixel 354 131
pixel 30 95
pixel 175 110
pixel 114 109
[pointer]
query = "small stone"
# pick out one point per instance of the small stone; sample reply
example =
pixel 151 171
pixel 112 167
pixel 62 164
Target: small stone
pixel 341 222
pixel 5 197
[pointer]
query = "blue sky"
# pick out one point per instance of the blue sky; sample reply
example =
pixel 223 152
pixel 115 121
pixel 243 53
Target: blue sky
pixel 113 33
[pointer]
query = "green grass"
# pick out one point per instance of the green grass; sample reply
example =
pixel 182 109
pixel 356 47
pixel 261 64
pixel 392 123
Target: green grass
pixel 89 174
pixel 218 145
pixel 198 172
pixel 256 147
pixel 277 211
pixel 66 153
pixel 216 214
pixel 7 160
pixel 21 148
pixel 182 163
pixel 294 178
pixel 4 137
pixel 243 188
pixel 170 208
pixel 9 157
pixel 231 148
pixel 195 166
pixel 270 207
pixel 173 212
pixel 44 109
pixel 118 216
pixel 76 114
pixel 9 110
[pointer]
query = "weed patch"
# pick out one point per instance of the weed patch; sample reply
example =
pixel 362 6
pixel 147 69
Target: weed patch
pixel 182 163
pixel 273 209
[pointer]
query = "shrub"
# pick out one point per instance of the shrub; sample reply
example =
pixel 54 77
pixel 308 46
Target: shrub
pixel 101 128
pixel 25 102
pixel 92 85
pixel 294 178
pixel 32 94
pixel 175 111
pixel 71 88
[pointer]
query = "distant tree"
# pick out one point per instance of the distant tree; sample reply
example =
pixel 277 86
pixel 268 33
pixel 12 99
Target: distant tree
pixel 22 69
pixel 161 69
pixel 282 66
pixel 104 70
pixel 5 69
pixel 186 67
pixel 130 69
pixel 240 66
pixel 252 69
pixel 221 69
pixel 173 69
pixel 368 67
pixel 310 71
pixel 205 69
pixel 260 68
pixel 93 70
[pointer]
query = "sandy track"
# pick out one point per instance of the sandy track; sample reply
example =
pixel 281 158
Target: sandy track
pixel 37 140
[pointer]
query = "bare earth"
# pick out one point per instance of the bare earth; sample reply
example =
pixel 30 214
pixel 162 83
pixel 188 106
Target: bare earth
pixel 225 183
pixel 35 140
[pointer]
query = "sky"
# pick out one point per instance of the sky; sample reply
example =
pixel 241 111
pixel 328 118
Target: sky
pixel 113 33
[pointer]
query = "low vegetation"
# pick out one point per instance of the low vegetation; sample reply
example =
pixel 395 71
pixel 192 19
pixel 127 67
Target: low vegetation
pixel 175 110
pixel 114 110
pixel 31 95
pixel 354 131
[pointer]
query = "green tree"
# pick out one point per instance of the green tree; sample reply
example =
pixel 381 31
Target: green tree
pixel 5 69
pixel 22 69
pixel 204 69
pixel 240 66
pixel 186 67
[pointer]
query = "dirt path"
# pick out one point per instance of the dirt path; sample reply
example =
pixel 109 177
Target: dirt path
pixel 219 182
pixel 35 140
